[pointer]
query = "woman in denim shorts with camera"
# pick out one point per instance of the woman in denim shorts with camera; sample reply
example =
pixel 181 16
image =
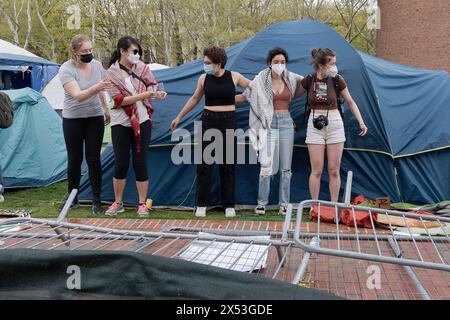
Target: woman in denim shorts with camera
pixel 325 124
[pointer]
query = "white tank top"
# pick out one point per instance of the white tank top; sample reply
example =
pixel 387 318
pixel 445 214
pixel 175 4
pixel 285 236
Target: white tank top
pixel 118 116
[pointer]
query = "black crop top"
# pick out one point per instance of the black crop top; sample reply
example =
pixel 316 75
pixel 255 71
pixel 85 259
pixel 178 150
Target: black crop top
pixel 219 91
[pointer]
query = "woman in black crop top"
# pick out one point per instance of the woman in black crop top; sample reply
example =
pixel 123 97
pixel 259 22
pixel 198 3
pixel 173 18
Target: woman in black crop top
pixel 218 85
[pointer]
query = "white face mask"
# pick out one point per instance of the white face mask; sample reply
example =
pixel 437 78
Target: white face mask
pixel 279 68
pixel 133 58
pixel 332 72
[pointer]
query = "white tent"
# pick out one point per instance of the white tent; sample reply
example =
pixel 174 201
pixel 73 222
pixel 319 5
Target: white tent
pixel 54 91
pixel 14 59
pixel 157 66
pixel 10 48
pixel 7 48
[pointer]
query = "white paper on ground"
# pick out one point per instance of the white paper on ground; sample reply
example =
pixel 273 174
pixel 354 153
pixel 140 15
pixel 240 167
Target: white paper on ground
pixel 248 257
pixel 7 229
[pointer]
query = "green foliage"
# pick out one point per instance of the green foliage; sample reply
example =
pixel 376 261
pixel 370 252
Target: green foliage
pixel 172 31
pixel 44 203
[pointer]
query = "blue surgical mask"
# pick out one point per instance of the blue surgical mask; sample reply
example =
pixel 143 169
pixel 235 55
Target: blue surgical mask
pixel 209 69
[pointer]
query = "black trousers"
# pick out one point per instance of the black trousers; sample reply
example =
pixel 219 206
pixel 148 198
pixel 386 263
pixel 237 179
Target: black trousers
pixel 87 133
pixel 220 121
pixel 123 139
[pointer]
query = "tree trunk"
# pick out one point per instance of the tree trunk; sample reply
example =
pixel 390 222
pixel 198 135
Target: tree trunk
pixel 52 39
pixel 166 34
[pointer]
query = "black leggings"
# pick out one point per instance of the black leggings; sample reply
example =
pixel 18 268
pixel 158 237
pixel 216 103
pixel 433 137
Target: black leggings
pixel 123 139
pixel 87 132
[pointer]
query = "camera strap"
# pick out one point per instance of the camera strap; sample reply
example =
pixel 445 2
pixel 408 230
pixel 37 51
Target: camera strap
pixel 134 75
pixel 328 111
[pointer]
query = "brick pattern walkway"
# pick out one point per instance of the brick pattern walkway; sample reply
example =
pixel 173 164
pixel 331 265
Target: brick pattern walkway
pixel 341 276
pixel 159 224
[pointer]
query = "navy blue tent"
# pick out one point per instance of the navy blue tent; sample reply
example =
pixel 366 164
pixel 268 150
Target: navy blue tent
pixel 405 156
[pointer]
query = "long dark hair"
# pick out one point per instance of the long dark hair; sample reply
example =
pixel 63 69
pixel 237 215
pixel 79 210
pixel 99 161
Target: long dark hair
pixel 321 56
pixel 124 43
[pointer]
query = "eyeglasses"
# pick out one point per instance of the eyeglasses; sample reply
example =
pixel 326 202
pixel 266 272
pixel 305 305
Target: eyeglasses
pixel 135 51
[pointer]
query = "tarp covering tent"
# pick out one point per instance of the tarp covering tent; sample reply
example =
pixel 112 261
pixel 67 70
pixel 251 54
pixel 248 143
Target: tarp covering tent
pixel 19 60
pixel 403 107
pixel 415 107
pixel 32 150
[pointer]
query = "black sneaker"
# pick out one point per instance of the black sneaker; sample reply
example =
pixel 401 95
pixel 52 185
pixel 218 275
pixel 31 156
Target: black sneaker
pixel 97 208
pixel 282 211
pixel 75 204
pixel 260 210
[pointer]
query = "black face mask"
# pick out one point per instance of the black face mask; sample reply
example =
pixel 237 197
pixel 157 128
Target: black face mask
pixel 86 58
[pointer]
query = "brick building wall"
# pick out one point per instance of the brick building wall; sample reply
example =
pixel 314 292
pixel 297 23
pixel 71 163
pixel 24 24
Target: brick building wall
pixel 415 33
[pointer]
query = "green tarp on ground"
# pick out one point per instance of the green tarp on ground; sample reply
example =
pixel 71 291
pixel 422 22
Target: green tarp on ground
pixel 40 274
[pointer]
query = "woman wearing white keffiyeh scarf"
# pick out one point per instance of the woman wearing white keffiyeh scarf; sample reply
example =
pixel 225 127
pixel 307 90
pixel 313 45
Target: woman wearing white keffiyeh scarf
pixel 271 125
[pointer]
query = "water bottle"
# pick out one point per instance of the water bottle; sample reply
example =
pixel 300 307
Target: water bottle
pixel 149 203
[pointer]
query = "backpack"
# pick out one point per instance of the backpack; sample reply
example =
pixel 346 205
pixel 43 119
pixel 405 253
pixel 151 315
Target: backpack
pixel 340 102
pixel 6 111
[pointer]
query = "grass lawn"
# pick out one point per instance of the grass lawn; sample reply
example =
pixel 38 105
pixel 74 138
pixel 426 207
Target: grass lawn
pixel 44 203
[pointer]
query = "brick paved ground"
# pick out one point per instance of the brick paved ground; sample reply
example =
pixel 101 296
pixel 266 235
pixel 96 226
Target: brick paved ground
pixel 341 276
pixel 344 277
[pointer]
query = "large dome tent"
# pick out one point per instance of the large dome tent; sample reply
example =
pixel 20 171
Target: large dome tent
pixel 405 155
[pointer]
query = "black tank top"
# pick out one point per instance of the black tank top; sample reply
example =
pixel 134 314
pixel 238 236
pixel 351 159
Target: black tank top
pixel 219 91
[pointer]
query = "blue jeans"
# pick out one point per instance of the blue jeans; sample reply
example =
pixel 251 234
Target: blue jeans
pixel 276 156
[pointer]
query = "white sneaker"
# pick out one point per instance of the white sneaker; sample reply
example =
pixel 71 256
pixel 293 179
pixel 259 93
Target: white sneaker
pixel 200 212
pixel 282 211
pixel 230 213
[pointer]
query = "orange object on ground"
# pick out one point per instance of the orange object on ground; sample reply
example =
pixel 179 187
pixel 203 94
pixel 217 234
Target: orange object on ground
pixel 359 199
pixel 327 214
pixel 362 218
pixel 149 203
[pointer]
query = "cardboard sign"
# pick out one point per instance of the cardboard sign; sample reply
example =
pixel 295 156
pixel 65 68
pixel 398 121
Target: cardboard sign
pixel 383 202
